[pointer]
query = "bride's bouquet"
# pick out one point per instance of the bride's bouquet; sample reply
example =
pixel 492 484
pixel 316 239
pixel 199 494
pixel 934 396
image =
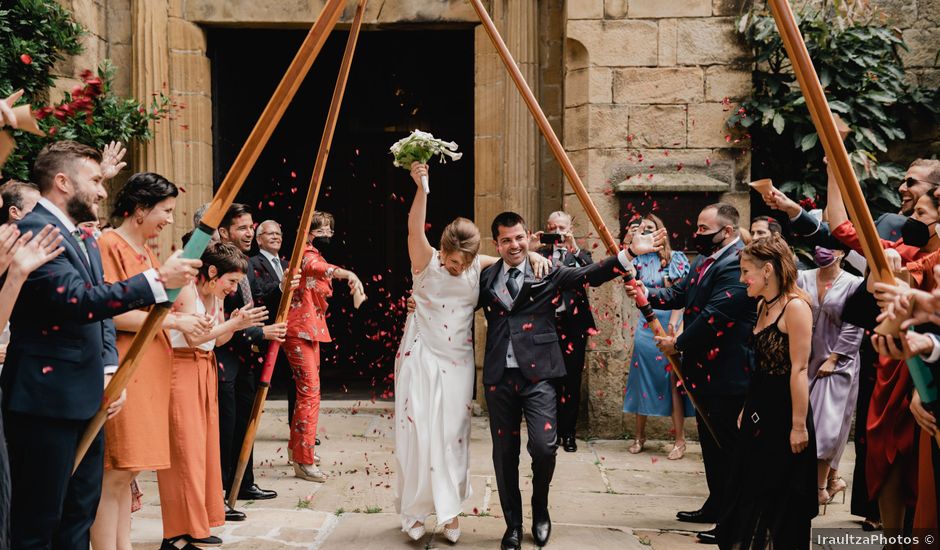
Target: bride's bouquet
pixel 421 146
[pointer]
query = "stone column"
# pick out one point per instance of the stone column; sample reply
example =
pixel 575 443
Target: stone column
pixel 506 142
pixel 506 146
pixel 151 73
pixel 151 60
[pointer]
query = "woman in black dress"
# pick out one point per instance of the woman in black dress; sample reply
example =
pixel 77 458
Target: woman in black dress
pixel 772 497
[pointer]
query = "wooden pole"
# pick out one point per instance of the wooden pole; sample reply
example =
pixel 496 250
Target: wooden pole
pixel 575 181
pixel 838 159
pixel 836 153
pixel 223 198
pixel 300 242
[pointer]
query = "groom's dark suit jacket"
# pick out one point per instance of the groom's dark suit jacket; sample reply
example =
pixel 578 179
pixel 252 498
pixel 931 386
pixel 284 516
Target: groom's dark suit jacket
pixel 530 323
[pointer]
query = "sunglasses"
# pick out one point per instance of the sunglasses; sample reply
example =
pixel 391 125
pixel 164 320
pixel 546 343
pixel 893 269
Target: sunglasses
pixel 911 182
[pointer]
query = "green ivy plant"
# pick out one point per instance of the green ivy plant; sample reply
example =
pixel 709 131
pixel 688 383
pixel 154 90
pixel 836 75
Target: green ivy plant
pixel 856 58
pixel 34 36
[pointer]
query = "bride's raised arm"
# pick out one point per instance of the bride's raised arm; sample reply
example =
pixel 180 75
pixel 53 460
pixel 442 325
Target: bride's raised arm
pixel 419 249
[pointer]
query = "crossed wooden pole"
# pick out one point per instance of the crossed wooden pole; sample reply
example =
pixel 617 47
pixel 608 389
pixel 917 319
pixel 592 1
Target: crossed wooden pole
pixel 223 198
pixel 802 67
pixel 297 255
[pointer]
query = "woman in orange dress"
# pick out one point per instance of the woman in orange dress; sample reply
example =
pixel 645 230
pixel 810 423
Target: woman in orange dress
pixel 138 438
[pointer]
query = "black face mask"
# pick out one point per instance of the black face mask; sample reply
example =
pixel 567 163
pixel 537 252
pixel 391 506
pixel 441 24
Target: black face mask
pixel 321 242
pixel 915 233
pixel 705 243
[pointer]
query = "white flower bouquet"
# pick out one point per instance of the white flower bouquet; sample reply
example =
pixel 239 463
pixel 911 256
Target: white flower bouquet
pixel 421 146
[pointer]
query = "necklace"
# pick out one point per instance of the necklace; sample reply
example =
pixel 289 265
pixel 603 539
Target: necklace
pixel 769 303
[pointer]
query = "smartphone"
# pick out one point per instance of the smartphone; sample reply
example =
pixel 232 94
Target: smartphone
pixel 551 238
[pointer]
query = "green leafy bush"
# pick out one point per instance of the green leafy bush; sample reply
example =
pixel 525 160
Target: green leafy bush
pixel 36 34
pixel 856 58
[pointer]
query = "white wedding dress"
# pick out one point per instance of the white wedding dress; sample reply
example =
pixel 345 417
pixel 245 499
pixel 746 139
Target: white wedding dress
pixel 434 372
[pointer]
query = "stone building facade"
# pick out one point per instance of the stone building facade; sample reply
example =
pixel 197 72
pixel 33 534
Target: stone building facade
pixel 638 90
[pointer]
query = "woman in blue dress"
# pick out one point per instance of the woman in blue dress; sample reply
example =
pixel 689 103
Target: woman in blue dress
pixel 651 385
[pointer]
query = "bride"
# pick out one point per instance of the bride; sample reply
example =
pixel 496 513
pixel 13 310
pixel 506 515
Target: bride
pixel 434 370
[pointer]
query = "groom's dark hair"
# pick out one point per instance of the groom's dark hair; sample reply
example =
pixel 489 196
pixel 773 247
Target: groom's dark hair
pixel 506 219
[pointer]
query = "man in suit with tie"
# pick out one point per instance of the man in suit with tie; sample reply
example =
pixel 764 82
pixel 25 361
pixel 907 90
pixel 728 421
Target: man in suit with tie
pixel 574 320
pixel 718 320
pixel 237 364
pixel 521 364
pixel 61 352
pixel 266 277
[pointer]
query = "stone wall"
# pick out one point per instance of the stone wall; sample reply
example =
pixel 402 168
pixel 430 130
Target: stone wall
pixel 918 21
pixel 648 87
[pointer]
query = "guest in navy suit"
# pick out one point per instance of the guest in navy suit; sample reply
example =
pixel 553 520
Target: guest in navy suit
pixel 718 320
pixel 62 342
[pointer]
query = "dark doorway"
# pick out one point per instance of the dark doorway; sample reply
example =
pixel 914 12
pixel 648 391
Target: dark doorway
pixel 400 80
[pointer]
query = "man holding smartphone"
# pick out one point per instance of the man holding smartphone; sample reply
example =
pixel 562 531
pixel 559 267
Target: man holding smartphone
pixel 573 320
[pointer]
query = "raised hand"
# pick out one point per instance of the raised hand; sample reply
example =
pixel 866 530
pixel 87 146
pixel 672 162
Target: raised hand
pixel 541 266
pixel 10 242
pixel 111 156
pixel 646 243
pixel 417 170
pixel 778 200
pixel 7 117
pixel 247 317
pixel 38 251
pixel 915 307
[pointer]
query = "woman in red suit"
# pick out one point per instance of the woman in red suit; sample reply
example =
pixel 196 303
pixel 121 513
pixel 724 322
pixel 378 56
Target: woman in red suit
pixel 306 328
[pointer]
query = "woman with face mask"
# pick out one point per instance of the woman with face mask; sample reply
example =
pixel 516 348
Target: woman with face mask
pixel 306 330
pixel 890 468
pixel 833 365
pixel 920 234
pixel 651 386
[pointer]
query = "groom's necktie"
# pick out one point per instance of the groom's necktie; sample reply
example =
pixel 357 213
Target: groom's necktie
pixel 511 283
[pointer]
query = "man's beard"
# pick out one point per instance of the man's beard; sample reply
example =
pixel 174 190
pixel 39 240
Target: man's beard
pixel 80 208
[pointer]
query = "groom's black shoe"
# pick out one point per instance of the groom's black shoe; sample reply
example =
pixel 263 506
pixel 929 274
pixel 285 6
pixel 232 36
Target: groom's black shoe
pixel 569 443
pixel 512 539
pixel 541 530
pixel 698 516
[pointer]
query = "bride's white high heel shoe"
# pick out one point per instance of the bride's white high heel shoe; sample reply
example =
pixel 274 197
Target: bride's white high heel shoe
pixel 416 532
pixel 452 534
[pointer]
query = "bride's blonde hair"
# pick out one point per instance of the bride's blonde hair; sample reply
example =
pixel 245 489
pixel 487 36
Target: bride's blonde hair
pixel 461 235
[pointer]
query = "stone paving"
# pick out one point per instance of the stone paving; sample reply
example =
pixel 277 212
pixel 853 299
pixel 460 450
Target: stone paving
pixel 602 497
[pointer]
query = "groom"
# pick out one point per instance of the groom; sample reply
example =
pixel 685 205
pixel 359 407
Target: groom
pixel 522 361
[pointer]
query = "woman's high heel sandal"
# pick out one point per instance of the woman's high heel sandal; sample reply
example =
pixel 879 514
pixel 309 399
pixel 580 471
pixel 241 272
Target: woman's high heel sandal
pixel 836 485
pixel 823 498
pixel 677 452
pixel 637 446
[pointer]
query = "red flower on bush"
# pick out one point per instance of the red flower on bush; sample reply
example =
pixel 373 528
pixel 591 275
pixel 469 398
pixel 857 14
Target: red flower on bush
pixel 26 59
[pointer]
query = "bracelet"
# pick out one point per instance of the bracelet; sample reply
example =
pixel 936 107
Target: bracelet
pixel 631 252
